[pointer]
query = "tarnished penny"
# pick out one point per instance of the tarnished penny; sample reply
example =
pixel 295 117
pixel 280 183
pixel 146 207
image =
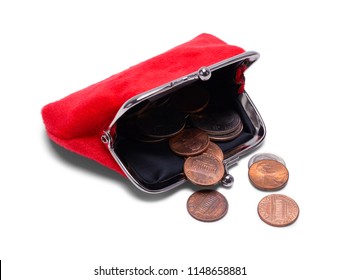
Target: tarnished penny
pixel 207 205
pixel 214 150
pixel 189 142
pixel 268 175
pixel 278 210
pixel 203 170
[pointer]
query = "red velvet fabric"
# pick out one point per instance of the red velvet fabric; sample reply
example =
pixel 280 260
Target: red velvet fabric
pixel 77 121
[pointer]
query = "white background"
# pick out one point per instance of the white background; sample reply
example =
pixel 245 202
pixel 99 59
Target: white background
pixel 62 215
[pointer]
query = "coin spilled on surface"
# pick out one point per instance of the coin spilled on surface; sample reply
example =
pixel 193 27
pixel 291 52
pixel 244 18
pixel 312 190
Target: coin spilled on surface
pixel 278 210
pixel 268 175
pixel 203 170
pixel 207 205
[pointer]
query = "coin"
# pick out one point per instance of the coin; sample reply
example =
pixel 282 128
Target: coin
pixel 268 175
pixel 189 142
pixel 203 170
pixel 261 156
pixel 190 99
pixel 278 210
pixel 216 122
pixel 160 122
pixel 229 136
pixel 207 205
pixel 214 150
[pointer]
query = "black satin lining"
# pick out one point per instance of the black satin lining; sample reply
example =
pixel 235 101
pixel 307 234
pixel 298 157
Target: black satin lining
pixel 154 165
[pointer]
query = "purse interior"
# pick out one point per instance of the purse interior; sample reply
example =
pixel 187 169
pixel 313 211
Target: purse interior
pixel 153 165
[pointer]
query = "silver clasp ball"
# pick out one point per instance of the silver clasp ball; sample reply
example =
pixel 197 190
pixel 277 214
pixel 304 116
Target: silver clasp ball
pixel 204 73
pixel 227 180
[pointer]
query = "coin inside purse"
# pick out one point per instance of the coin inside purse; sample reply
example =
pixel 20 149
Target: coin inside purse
pixel 142 128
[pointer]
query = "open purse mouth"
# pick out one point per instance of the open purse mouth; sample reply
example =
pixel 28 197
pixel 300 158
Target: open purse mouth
pixel 213 100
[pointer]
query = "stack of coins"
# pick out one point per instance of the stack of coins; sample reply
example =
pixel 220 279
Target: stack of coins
pixel 169 115
pixel 221 125
pixel 207 205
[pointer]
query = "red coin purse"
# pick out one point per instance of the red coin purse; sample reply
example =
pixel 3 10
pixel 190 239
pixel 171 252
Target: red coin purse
pixel 85 122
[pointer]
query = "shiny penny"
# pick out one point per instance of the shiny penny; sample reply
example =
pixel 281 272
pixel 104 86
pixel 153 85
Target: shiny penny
pixel 268 175
pixel 215 150
pixel 207 205
pixel 203 170
pixel 278 210
pixel 189 142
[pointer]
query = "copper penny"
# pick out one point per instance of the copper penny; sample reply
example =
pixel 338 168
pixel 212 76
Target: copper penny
pixel 268 175
pixel 203 170
pixel 207 205
pixel 278 210
pixel 214 150
pixel 189 142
